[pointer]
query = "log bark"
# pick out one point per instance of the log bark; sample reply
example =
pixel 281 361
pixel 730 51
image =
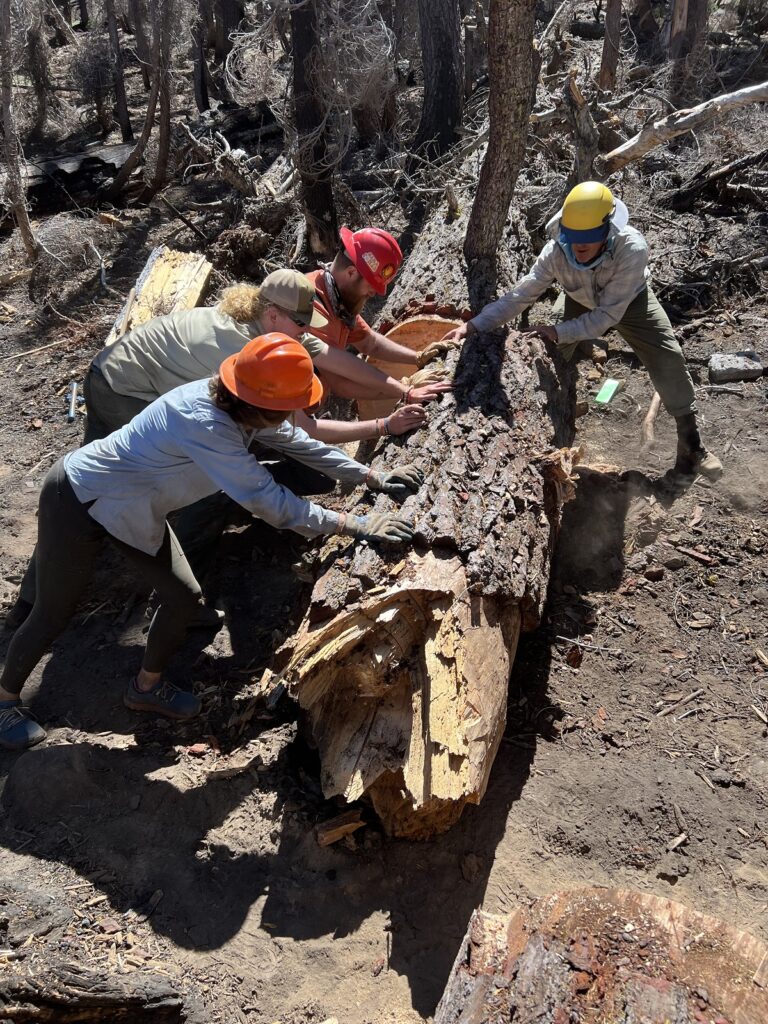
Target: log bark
pixel 510 34
pixel 559 960
pixel 679 123
pixel 60 992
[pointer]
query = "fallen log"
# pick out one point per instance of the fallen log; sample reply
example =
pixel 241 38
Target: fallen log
pixel 59 992
pixel 402 660
pixel 606 954
pixel 678 123
pixel 169 282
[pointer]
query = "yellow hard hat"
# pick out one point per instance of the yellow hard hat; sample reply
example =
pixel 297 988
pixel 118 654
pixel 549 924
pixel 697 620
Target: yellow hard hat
pixel 586 213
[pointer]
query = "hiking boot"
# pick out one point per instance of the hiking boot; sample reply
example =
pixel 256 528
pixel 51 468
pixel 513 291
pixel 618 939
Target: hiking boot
pixel 17 614
pixel 18 730
pixel 164 699
pixel 701 461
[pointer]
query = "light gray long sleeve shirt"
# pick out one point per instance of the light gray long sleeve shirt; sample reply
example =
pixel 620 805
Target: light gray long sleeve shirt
pixel 606 290
pixel 182 448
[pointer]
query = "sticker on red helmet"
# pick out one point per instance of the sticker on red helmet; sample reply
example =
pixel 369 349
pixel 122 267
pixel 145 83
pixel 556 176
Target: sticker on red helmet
pixel 371 261
pixel 387 272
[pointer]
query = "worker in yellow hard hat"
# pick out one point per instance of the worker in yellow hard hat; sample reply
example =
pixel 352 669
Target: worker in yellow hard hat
pixel 601 263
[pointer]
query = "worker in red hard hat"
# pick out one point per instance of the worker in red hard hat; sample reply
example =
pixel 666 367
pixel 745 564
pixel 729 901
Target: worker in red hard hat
pixel 364 266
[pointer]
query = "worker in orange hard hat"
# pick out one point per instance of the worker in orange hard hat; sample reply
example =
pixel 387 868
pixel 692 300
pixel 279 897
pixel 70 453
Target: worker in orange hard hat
pixel 364 266
pixel 191 442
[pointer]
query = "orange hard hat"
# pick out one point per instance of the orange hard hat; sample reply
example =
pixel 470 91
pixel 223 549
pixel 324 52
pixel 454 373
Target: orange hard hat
pixel 375 254
pixel 274 372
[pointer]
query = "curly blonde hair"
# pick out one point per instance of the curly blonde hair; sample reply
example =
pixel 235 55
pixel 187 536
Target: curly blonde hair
pixel 243 302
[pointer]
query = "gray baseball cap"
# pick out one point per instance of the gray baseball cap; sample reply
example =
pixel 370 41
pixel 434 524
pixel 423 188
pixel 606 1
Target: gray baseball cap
pixel 294 293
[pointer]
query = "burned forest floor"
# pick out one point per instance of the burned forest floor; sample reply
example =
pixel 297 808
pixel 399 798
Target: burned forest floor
pixel 635 753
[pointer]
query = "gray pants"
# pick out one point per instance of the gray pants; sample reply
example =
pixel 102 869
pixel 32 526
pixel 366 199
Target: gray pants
pixel 646 329
pixel 68 543
pixel 106 409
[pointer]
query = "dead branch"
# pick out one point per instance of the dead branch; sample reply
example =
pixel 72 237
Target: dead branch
pixel 646 433
pixel 679 123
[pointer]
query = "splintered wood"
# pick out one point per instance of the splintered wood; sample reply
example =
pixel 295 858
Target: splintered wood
pixel 608 955
pixel 170 282
pixel 402 662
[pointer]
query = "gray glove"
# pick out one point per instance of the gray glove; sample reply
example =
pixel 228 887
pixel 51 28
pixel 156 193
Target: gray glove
pixel 378 526
pixel 398 482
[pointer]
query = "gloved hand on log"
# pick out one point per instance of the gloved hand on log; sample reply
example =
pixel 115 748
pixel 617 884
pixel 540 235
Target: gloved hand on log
pixel 398 482
pixel 435 349
pixel 378 526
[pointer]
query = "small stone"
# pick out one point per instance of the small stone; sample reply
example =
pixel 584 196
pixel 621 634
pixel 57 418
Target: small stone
pixel 721 777
pixel 725 367
pixel 654 573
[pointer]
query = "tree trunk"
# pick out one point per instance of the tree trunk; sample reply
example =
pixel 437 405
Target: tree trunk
pixel 139 19
pixel 312 158
pixel 37 59
pixel 163 15
pixel 401 662
pixel 84 19
pixel 199 77
pixel 443 66
pixel 611 46
pixel 121 102
pixel 510 34
pixel 14 188
pixel 130 165
pixel 228 14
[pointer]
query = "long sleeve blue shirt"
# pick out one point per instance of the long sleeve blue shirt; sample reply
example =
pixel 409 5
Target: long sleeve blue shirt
pixel 182 448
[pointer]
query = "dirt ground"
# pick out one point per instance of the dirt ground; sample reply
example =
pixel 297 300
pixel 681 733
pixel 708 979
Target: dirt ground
pixel 638 712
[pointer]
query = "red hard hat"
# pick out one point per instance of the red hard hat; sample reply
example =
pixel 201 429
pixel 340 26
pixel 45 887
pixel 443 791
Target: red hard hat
pixel 375 254
pixel 273 372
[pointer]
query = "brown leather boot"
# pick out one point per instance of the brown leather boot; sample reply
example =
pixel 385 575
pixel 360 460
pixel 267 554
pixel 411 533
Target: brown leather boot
pixel 692 456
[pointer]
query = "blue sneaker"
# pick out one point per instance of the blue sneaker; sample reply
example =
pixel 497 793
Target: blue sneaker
pixel 18 730
pixel 165 699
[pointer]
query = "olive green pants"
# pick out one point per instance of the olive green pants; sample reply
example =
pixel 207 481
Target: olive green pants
pixel 646 329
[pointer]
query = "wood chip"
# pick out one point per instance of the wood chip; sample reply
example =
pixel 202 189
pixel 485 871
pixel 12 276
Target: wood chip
pixel 677 841
pixel 696 555
pixel 336 828
pixel 760 714
pixel 704 777
pixel 761 656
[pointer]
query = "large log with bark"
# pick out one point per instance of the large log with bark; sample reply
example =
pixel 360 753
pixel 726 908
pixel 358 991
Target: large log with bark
pixel 401 663
pixel 607 955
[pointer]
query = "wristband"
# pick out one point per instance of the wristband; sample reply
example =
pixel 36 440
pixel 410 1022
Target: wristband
pixel 386 425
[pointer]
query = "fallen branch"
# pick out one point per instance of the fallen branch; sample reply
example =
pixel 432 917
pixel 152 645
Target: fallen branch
pixel 646 432
pixel 679 123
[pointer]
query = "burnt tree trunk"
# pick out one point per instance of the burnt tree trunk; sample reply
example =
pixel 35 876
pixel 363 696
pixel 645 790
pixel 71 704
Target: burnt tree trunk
pixel 228 14
pixel 402 661
pixel 513 66
pixel 199 67
pixel 39 70
pixel 118 79
pixel 443 67
pixel 82 7
pixel 164 12
pixel 611 46
pixel 14 189
pixel 312 158
pixel 139 19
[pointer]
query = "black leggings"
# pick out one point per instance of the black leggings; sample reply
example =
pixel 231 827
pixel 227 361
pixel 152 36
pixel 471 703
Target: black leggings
pixel 68 543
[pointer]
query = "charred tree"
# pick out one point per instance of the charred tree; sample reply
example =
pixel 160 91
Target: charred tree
pixel 82 7
pixel 312 158
pixel 118 79
pixel 14 188
pixel 443 68
pixel 611 46
pixel 163 16
pixel 401 663
pixel 39 70
pixel 228 14
pixel 139 19
pixel 199 65
pixel 510 35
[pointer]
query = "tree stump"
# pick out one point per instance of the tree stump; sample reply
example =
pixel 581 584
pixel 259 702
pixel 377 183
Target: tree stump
pixel 608 955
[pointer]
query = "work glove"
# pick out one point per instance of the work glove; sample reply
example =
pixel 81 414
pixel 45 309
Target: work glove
pixel 378 526
pixel 398 482
pixel 435 349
